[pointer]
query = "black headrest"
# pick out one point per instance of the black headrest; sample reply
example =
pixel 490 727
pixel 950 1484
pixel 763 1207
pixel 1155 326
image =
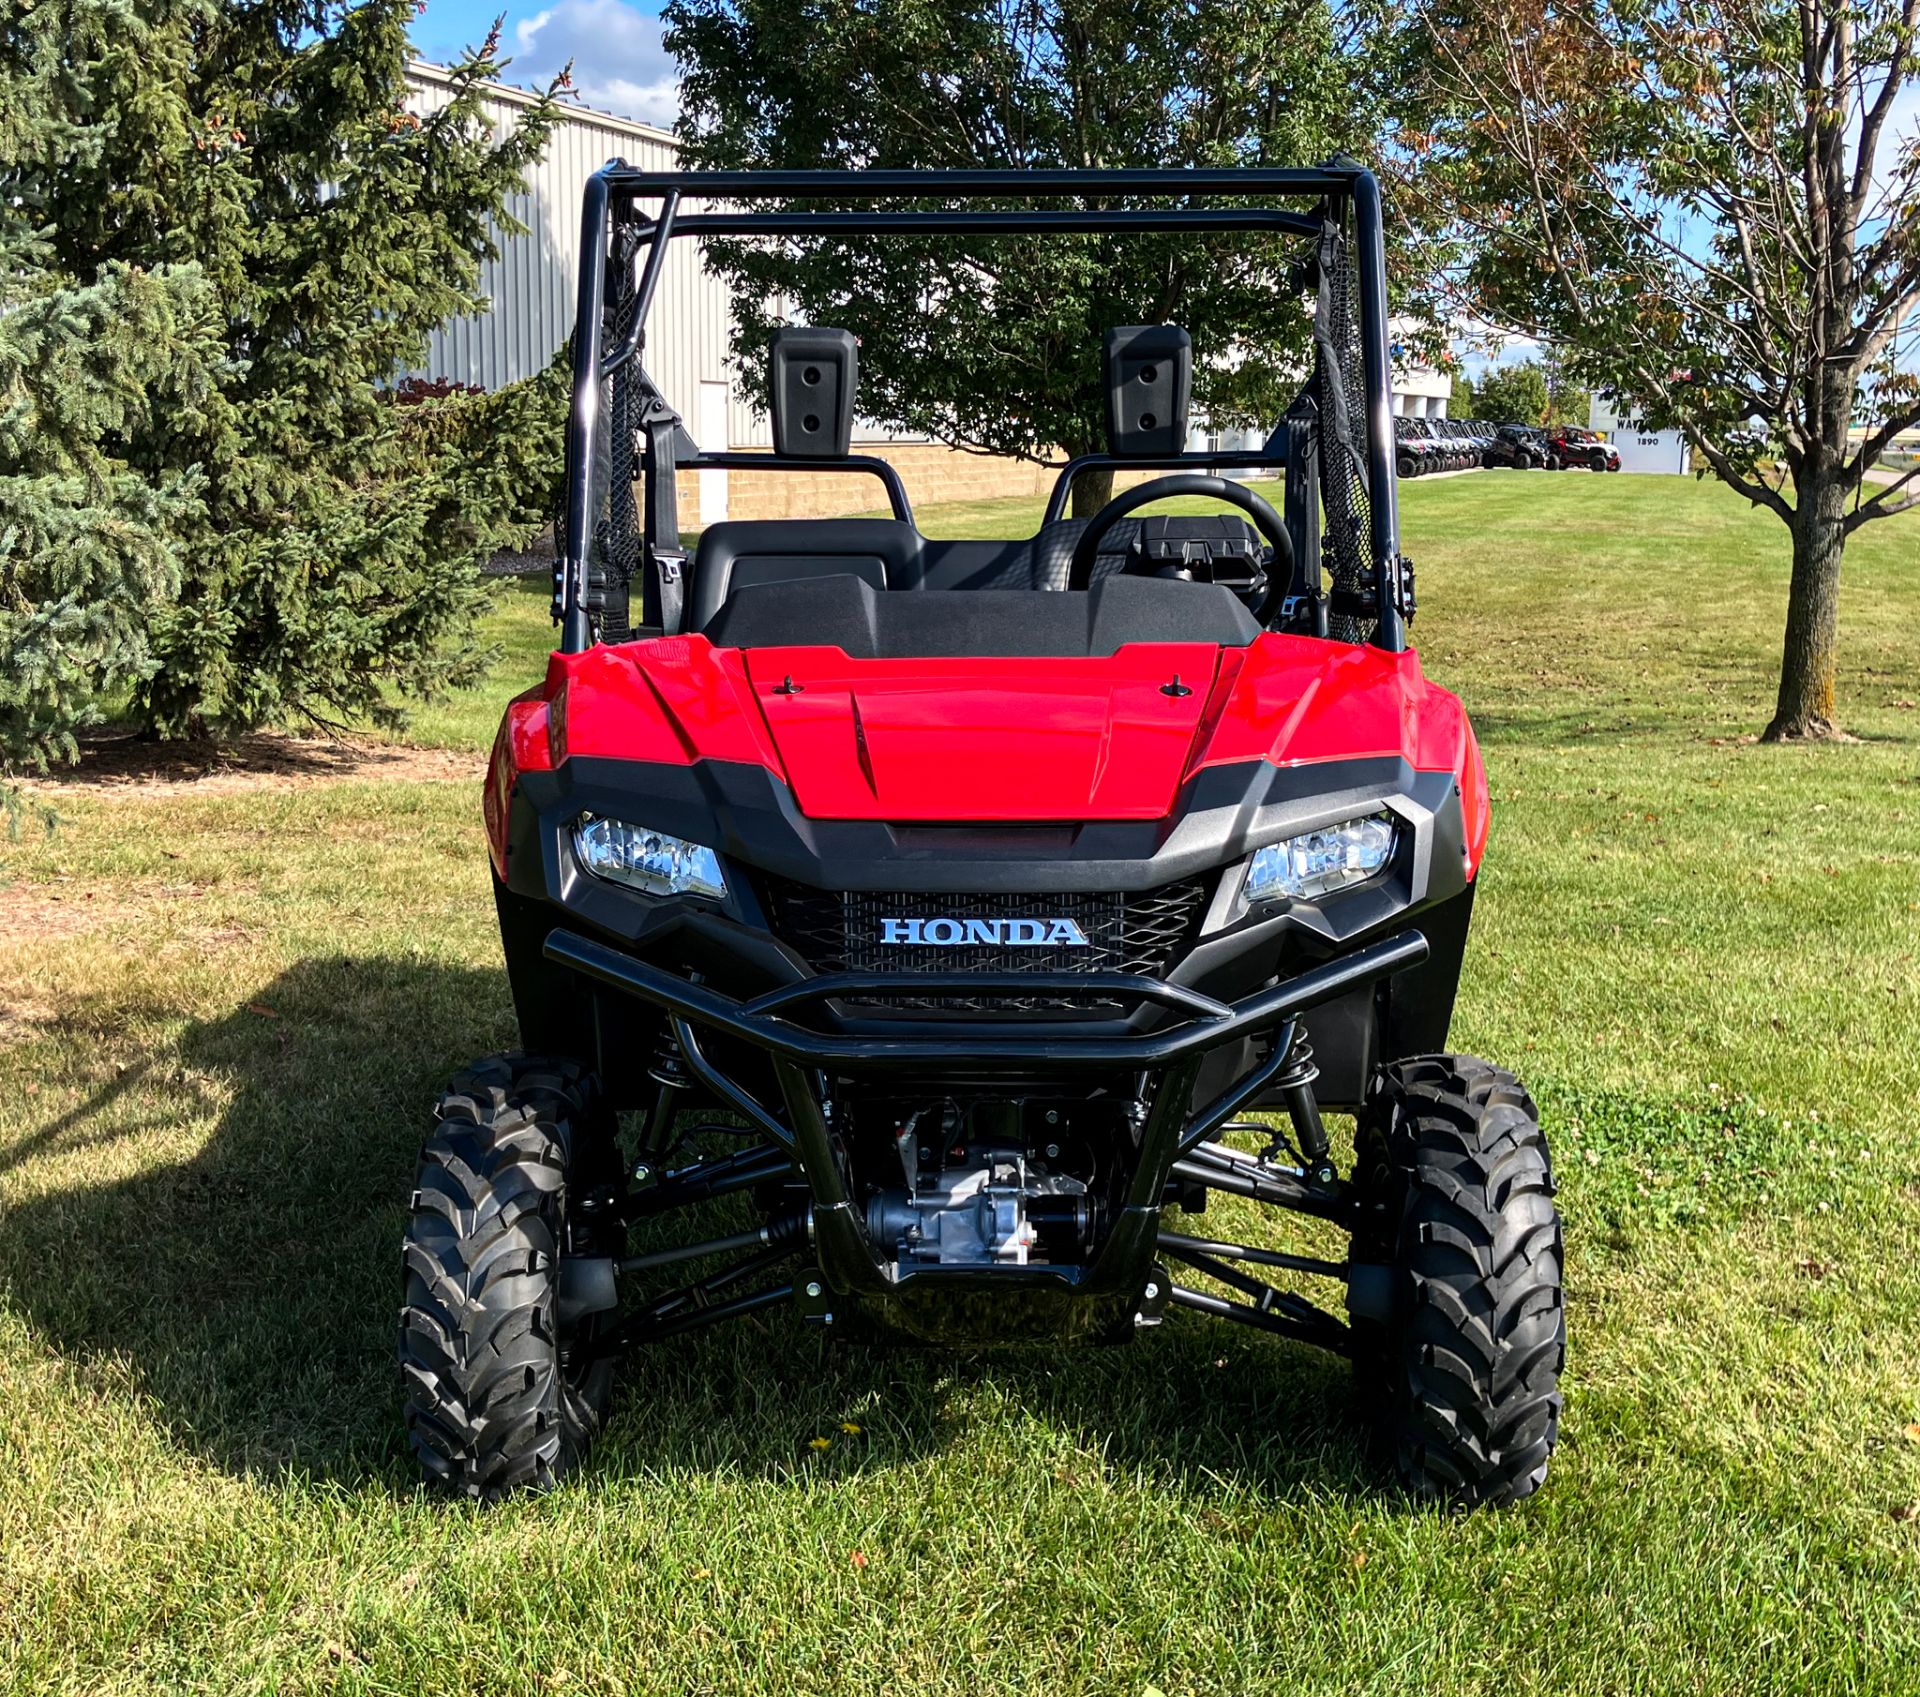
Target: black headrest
pixel 811 380
pixel 1149 370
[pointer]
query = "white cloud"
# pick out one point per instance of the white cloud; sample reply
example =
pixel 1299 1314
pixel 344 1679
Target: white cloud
pixel 1480 346
pixel 619 65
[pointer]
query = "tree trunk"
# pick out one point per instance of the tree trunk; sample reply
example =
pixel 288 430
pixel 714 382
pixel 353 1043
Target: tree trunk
pixel 1808 663
pixel 1092 490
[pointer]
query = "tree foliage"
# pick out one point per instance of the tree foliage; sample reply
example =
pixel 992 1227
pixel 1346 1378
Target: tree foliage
pixel 1513 394
pixel 89 547
pixel 88 542
pixel 1567 401
pixel 228 232
pixel 995 346
pixel 1711 205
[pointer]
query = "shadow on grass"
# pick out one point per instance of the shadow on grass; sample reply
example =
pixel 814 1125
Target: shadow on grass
pixel 254 1289
pixel 116 759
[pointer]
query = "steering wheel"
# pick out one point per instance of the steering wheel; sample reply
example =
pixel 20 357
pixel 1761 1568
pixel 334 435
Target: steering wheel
pixel 1265 520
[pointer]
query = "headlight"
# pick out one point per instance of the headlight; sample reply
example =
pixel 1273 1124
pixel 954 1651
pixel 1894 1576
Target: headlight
pixel 647 860
pixel 1318 861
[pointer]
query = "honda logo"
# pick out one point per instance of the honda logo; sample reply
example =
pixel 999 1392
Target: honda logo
pixel 1006 933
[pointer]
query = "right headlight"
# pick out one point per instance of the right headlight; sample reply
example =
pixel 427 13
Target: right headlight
pixel 647 860
pixel 1317 862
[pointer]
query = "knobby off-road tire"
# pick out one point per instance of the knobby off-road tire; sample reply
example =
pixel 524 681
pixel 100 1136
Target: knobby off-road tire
pixel 499 1397
pixel 1461 1380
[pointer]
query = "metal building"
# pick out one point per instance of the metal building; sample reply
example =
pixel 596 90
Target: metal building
pixel 531 284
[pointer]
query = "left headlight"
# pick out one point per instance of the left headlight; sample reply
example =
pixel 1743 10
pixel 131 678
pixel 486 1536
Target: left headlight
pixel 647 860
pixel 1317 862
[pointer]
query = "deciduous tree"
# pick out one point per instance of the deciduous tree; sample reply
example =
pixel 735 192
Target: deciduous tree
pixel 1714 207
pixel 995 346
pixel 1514 394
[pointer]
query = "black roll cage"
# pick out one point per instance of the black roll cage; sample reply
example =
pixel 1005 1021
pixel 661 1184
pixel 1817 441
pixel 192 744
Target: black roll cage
pixel 612 203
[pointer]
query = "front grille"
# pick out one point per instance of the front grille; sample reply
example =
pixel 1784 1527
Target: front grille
pixel 840 931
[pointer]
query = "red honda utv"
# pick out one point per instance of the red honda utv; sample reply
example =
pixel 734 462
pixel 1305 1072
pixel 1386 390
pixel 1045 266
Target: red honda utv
pixel 913 936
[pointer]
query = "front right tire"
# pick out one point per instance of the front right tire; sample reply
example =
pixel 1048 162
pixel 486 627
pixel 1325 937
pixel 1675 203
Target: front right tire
pixel 501 1395
pixel 1460 1375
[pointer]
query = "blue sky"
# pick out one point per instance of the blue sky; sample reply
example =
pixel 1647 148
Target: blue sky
pixel 618 64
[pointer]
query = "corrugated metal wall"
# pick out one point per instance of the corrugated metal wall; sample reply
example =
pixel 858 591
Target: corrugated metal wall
pixel 531 284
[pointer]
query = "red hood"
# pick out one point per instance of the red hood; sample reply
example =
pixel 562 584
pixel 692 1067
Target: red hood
pixel 984 739
pixel 1019 740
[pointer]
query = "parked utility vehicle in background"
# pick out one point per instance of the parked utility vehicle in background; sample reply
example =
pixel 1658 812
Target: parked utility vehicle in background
pixel 900 928
pixel 1450 448
pixel 1512 445
pixel 1581 448
pixel 1415 453
pixel 1461 443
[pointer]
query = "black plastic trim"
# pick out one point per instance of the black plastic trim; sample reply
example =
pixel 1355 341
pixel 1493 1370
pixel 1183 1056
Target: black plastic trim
pixel 1226 812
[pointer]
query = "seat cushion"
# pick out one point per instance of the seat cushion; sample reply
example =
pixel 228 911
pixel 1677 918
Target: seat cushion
pixel 844 612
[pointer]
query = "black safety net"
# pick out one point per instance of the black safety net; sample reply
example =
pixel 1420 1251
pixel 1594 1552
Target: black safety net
pixel 1341 392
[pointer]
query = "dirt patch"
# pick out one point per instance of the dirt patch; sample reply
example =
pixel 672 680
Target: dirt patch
pixel 41 913
pixel 124 763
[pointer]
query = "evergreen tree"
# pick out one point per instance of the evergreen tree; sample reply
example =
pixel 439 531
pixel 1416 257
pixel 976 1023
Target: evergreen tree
pixel 324 540
pixel 89 543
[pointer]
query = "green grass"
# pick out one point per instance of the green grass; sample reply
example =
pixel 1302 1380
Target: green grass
pixel 217 1047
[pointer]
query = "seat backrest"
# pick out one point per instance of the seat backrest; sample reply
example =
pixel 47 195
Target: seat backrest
pixel 884 553
pixel 844 612
pixel 967 564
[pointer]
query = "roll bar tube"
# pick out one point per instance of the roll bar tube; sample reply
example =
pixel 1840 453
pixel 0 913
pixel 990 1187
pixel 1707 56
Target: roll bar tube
pixel 1383 503
pixel 621 184
pixel 583 416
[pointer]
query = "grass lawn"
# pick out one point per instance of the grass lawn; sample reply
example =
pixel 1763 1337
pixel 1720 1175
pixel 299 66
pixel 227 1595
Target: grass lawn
pixel 226 1006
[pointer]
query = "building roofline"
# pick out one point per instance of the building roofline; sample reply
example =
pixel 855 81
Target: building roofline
pixel 426 71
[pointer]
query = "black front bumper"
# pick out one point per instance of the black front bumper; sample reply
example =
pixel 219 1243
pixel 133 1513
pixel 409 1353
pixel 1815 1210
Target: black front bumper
pixel 792 1029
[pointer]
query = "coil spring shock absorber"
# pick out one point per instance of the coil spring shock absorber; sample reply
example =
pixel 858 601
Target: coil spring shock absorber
pixel 1295 1085
pixel 668 1069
